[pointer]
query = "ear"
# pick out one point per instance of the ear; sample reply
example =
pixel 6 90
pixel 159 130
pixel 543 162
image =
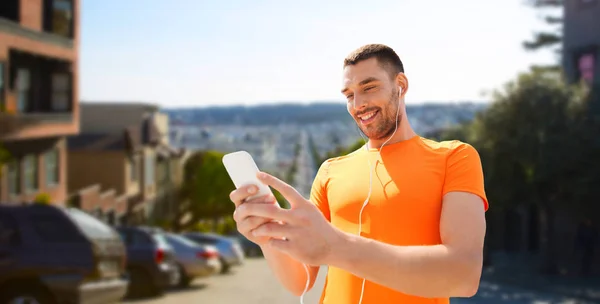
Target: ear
pixel 402 82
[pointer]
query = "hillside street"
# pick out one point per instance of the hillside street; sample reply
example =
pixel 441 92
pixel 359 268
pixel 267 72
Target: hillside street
pixel 253 283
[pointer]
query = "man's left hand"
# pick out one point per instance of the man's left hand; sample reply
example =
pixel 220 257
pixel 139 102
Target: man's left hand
pixel 301 231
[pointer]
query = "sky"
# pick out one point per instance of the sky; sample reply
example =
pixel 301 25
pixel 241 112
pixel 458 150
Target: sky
pixel 187 53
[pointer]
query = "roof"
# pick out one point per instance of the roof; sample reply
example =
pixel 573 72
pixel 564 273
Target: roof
pixel 115 105
pixel 98 142
pixel 131 138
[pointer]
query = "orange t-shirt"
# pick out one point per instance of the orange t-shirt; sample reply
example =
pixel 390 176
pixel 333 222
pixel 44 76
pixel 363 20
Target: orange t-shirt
pixel 410 179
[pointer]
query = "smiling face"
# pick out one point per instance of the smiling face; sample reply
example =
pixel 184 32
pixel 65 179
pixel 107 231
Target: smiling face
pixel 373 97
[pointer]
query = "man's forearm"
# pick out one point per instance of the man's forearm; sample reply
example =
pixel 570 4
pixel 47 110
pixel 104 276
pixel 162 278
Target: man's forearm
pixel 288 271
pixel 425 271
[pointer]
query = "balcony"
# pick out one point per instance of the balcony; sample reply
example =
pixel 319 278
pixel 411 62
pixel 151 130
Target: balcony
pixel 37 95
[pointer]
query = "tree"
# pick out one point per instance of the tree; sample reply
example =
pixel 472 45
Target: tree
pixel 532 150
pixel 552 38
pixel 205 191
pixel 204 194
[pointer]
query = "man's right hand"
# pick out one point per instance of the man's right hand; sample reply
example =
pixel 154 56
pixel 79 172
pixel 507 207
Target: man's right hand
pixel 246 225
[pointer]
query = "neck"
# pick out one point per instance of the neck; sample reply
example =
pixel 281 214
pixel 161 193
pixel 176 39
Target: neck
pixel 404 132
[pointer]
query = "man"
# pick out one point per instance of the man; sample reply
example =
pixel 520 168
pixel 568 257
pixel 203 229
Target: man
pixel 421 228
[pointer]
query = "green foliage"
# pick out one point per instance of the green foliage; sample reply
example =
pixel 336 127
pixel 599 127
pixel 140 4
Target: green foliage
pixel 206 187
pixel 552 38
pixel 226 226
pixel 43 198
pixel 283 203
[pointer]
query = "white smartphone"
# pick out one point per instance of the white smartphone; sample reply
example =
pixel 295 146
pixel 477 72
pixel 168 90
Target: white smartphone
pixel 242 170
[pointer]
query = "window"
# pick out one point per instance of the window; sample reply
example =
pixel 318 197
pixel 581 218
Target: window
pixel 586 65
pixel 23 86
pixel 59 14
pixel 30 172
pixel 54 229
pixel 90 226
pixel 149 170
pixel 61 91
pixel 134 168
pixel 14 178
pixel 10 9
pixel 140 238
pixel 52 164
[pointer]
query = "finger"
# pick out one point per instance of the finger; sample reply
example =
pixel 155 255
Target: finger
pixel 251 223
pixel 274 230
pixel 271 211
pixel 263 199
pixel 238 195
pixel 282 187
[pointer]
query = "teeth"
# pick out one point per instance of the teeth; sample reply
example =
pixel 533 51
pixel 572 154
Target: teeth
pixel 367 116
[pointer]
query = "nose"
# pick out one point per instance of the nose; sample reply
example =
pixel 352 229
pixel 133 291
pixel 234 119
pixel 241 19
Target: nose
pixel 359 102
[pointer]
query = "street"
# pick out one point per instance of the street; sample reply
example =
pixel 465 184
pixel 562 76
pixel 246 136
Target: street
pixel 305 172
pixel 253 283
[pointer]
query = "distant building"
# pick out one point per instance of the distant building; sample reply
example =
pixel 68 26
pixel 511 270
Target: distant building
pixel 581 40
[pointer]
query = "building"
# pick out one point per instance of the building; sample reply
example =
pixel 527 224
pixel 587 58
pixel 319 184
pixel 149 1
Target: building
pixel 124 148
pixel 39 51
pixel 581 40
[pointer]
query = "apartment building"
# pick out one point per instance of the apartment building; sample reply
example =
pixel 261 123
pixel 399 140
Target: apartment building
pixel 39 51
pixel 581 41
pixel 124 148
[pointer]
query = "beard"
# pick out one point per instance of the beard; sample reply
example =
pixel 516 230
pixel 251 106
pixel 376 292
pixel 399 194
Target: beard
pixel 385 125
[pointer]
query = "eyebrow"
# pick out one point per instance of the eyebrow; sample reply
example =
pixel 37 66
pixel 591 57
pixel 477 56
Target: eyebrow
pixel 363 82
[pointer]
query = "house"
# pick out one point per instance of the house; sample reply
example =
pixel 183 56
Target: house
pixel 39 54
pixel 581 43
pixel 123 149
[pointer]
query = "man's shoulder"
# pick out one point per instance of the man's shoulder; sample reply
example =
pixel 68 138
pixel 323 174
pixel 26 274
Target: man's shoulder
pixel 446 147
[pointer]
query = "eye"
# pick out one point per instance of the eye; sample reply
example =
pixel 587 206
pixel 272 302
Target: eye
pixel 349 96
pixel 369 88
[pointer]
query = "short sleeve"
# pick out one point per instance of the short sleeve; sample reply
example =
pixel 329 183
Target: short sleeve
pixel 318 192
pixel 464 172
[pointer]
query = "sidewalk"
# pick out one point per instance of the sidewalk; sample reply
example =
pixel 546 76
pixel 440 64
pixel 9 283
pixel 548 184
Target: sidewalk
pixel 519 273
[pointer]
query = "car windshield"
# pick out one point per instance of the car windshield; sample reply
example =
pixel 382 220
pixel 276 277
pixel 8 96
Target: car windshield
pixel 160 240
pixel 180 240
pixel 90 226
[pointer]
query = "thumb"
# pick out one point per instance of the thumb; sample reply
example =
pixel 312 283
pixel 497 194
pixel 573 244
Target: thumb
pixel 287 191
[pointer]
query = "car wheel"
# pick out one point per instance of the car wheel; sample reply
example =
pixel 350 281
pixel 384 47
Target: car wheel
pixel 224 266
pixel 184 280
pixel 141 284
pixel 23 296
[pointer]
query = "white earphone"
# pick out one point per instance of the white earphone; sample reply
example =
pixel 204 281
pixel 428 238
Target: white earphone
pixel 365 203
pixel 371 168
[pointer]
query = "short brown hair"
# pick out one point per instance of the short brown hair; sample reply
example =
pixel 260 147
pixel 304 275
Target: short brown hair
pixel 385 55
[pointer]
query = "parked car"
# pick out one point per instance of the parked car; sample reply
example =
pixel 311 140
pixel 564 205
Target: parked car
pixel 193 260
pixel 52 254
pixel 230 250
pixel 151 262
pixel 250 248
